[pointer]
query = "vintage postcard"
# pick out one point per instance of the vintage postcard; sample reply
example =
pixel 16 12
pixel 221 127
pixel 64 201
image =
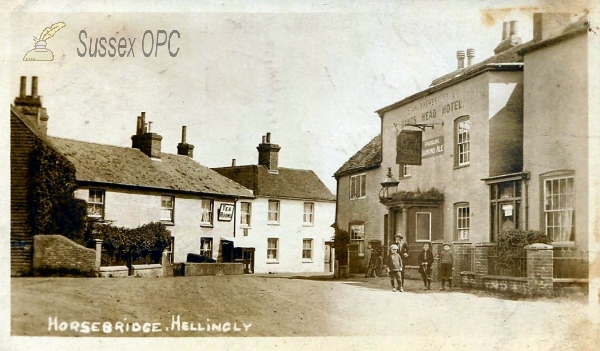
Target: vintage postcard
pixel 294 175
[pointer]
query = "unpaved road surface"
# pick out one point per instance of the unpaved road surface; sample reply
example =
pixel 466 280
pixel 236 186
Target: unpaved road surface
pixel 234 306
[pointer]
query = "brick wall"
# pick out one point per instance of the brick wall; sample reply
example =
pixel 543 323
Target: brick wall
pixel 56 252
pixel 21 241
pixel 540 269
pixel 460 249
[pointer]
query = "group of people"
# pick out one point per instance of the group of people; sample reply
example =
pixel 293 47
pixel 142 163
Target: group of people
pixel 399 255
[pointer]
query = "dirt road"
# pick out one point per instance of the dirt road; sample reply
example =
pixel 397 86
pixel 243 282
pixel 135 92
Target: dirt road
pixel 229 306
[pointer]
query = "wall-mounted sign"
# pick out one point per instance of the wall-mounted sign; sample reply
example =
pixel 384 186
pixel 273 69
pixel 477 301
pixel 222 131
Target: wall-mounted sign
pixel 433 147
pixel 408 147
pixel 225 212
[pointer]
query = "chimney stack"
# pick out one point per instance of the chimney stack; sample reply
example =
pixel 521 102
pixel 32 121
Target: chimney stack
pixel 233 162
pixel 149 143
pixel 510 37
pixel 470 56
pixel 548 25
pixel 183 148
pixel 460 55
pixel 31 105
pixel 268 154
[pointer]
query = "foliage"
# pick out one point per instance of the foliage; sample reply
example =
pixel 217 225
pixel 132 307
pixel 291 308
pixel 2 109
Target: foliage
pixel 341 239
pixel 511 243
pixel 126 246
pixel 430 195
pixel 52 203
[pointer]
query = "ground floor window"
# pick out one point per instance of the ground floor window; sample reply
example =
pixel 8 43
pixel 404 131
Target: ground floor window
pixel 307 248
pixel 357 235
pixel 206 245
pixel 559 207
pixel 423 227
pixel 463 221
pixel 272 249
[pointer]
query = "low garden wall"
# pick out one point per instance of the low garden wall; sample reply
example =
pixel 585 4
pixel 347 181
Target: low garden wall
pixel 56 253
pixel 114 272
pixel 198 269
pixel 147 270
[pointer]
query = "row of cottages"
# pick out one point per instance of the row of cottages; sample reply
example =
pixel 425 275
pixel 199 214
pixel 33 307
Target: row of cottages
pixel 504 145
pixel 207 213
pixel 292 214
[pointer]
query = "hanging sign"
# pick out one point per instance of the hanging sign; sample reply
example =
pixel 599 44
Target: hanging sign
pixel 408 147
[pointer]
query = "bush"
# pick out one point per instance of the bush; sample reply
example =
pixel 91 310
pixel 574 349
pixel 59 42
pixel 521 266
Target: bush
pixel 341 239
pixel 511 242
pixel 127 246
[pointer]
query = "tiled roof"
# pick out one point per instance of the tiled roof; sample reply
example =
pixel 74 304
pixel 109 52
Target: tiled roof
pixel 368 157
pixel 286 183
pixel 130 167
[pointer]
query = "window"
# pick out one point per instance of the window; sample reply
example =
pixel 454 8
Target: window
pixel 272 249
pixel 462 141
pixel 505 207
pixel 404 172
pixel 167 208
pixel 246 211
pixel 206 245
pixel 207 212
pixel 559 208
pixel 273 211
pixel 358 186
pixel 307 247
pixel 95 207
pixel 357 234
pixel 463 221
pixel 309 213
pixel 423 226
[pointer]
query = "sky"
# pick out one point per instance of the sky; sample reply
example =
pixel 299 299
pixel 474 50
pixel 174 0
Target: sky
pixel 311 74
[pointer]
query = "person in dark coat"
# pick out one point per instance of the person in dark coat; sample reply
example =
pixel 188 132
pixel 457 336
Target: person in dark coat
pixel 402 251
pixel 425 262
pixel 394 267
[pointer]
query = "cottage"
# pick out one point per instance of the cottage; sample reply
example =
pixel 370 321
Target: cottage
pixel 126 186
pixel 289 221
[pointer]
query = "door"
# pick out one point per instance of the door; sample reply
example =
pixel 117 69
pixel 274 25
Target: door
pixel 327 267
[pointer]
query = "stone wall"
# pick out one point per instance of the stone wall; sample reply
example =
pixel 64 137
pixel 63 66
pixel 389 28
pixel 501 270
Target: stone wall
pixel 56 253
pixel 147 270
pixel 196 269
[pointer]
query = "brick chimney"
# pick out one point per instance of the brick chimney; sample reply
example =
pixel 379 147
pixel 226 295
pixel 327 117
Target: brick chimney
pixel 268 154
pixel 149 143
pixel 31 105
pixel 184 148
pixel 510 37
pixel 548 25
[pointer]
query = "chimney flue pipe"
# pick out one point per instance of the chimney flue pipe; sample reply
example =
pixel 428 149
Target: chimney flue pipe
pixel 183 134
pixel 460 55
pixel 23 87
pixel 505 30
pixel 268 138
pixel 470 56
pixel 34 87
pixel 264 139
pixel 138 130
pixel 514 29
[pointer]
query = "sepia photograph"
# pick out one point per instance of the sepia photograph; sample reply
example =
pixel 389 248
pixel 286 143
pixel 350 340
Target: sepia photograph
pixel 301 175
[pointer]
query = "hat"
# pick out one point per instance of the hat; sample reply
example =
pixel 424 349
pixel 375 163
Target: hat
pixel 398 235
pixel 446 244
pixel 394 247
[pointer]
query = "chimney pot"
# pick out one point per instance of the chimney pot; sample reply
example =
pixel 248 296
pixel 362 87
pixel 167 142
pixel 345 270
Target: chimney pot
pixel 264 139
pixel 460 55
pixel 149 126
pixel 34 87
pixel 233 162
pixel 138 129
pixel 268 138
pixel 505 30
pixel 183 134
pixel 514 29
pixel 23 87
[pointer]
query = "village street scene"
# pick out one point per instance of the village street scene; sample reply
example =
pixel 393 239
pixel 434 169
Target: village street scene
pixel 435 186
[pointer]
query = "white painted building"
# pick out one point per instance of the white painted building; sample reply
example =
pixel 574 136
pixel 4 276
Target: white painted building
pixel 290 219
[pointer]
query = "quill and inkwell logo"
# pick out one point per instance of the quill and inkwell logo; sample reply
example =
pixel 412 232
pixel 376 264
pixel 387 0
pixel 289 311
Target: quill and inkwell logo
pixel 40 52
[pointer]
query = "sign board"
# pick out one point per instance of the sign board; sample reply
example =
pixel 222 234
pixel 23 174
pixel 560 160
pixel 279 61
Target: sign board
pixel 408 147
pixel 433 147
pixel 226 212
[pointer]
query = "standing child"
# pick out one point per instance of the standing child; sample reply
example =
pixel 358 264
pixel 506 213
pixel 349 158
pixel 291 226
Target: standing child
pixel 425 263
pixel 394 267
pixel 447 261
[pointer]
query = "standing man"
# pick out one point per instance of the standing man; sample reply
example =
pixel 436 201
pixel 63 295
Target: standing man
pixel 402 251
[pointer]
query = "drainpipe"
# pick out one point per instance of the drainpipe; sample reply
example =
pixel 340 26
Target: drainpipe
pixel 235 200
